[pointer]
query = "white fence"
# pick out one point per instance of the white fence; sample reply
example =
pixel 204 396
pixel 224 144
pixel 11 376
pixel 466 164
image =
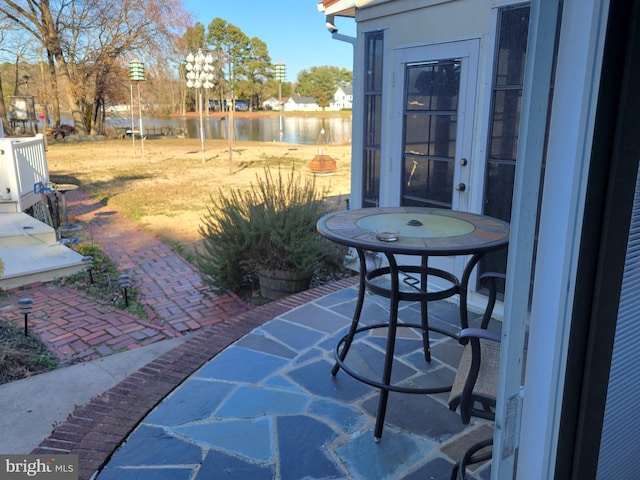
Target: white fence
pixel 23 164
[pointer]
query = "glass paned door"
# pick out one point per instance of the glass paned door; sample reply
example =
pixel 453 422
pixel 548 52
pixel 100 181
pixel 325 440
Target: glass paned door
pixel 430 132
pixel 434 99
pixel 434 105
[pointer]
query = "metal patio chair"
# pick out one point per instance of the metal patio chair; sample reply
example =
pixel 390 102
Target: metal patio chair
pixel 474 389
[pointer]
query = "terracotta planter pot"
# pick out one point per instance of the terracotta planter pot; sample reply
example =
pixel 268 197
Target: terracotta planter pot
pixel 275 284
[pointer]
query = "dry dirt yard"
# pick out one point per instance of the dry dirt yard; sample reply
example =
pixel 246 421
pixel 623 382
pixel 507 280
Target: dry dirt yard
pixel 167 189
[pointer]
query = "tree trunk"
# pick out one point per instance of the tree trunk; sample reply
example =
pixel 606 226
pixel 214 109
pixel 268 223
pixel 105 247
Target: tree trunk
pixel 16 80
pixel 55 92
pixel 54 49
pixel 77 112
pixel 98 127
pixel 45 97
pixel 97 117
pixel 3 113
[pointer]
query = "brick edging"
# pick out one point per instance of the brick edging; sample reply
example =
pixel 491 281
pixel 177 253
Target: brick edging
pixel 94 431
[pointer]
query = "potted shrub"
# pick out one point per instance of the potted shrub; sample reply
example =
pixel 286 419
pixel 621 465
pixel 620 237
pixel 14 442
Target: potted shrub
pixel 267 232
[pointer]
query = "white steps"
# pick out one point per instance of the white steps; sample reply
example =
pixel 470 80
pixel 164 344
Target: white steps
pixel 8 206
pixel 31 253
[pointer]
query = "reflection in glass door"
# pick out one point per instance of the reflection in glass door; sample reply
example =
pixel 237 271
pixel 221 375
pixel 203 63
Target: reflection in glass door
pixel 430 132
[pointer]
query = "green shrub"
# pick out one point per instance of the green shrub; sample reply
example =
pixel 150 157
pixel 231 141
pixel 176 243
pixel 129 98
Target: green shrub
pixel 270 226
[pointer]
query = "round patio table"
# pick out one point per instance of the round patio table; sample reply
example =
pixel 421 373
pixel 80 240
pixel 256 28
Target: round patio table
pixel 415 231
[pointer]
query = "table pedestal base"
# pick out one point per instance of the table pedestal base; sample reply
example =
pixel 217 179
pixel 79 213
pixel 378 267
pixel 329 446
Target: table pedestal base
pixel 418 293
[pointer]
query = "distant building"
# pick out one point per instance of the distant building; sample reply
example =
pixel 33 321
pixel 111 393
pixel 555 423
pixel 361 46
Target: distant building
pixel 118 108
pixel 342 99
pixel 271 103
pixel 301 104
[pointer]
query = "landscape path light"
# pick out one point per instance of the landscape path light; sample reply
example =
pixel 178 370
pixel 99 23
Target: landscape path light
pixel 124 281
pixel 26 306
pixel 87 263
pixel 199 76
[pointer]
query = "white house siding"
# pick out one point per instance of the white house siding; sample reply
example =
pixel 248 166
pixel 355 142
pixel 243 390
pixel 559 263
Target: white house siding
pixel 342 99
pixel 271 104
pixel 301 104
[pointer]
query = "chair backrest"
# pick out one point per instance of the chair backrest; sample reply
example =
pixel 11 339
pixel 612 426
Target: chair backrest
pixel 474 388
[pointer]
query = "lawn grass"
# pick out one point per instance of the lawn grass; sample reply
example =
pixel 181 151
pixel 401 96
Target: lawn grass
pixel 22 356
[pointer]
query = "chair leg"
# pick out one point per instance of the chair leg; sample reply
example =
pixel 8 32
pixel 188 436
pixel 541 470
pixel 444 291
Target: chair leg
pixel 454 472
pixel 470 457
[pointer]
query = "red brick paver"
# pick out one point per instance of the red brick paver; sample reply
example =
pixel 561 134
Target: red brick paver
pixel 78 328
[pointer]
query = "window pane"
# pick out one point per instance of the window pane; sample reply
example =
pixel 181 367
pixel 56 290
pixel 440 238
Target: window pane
pixel 373 63
pixel 427 181
pixel 373 117
pixel 499 191
pixel 371 178
pixel 512 46
pixel 433 86
pixel 507 106
pixel 431 135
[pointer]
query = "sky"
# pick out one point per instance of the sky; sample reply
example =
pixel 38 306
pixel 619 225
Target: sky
pixel 293 30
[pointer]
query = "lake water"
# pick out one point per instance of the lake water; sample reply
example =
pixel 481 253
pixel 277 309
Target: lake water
pixel 299 130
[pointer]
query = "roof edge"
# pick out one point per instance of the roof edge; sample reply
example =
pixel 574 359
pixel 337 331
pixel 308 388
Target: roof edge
pixel 345 8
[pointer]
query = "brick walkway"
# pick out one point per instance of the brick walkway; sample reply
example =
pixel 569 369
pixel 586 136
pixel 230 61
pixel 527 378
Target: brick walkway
pixel 77 328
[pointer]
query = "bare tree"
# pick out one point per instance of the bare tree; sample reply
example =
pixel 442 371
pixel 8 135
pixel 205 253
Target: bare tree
pixel 3 109
pixel 86 41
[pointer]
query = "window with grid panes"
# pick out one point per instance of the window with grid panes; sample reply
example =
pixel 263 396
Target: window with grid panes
pixel 372 118
pixel 506 107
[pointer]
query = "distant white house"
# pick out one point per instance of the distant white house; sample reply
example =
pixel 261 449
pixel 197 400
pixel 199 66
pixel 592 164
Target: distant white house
pixel 342 99
pixel 118 108
pixel 271 103
pixel 301 104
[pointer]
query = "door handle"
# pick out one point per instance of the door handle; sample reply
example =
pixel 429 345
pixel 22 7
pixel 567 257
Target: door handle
pixel 461 187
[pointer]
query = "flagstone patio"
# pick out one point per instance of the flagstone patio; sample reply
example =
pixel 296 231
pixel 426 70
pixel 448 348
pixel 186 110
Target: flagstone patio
pixel 267 407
